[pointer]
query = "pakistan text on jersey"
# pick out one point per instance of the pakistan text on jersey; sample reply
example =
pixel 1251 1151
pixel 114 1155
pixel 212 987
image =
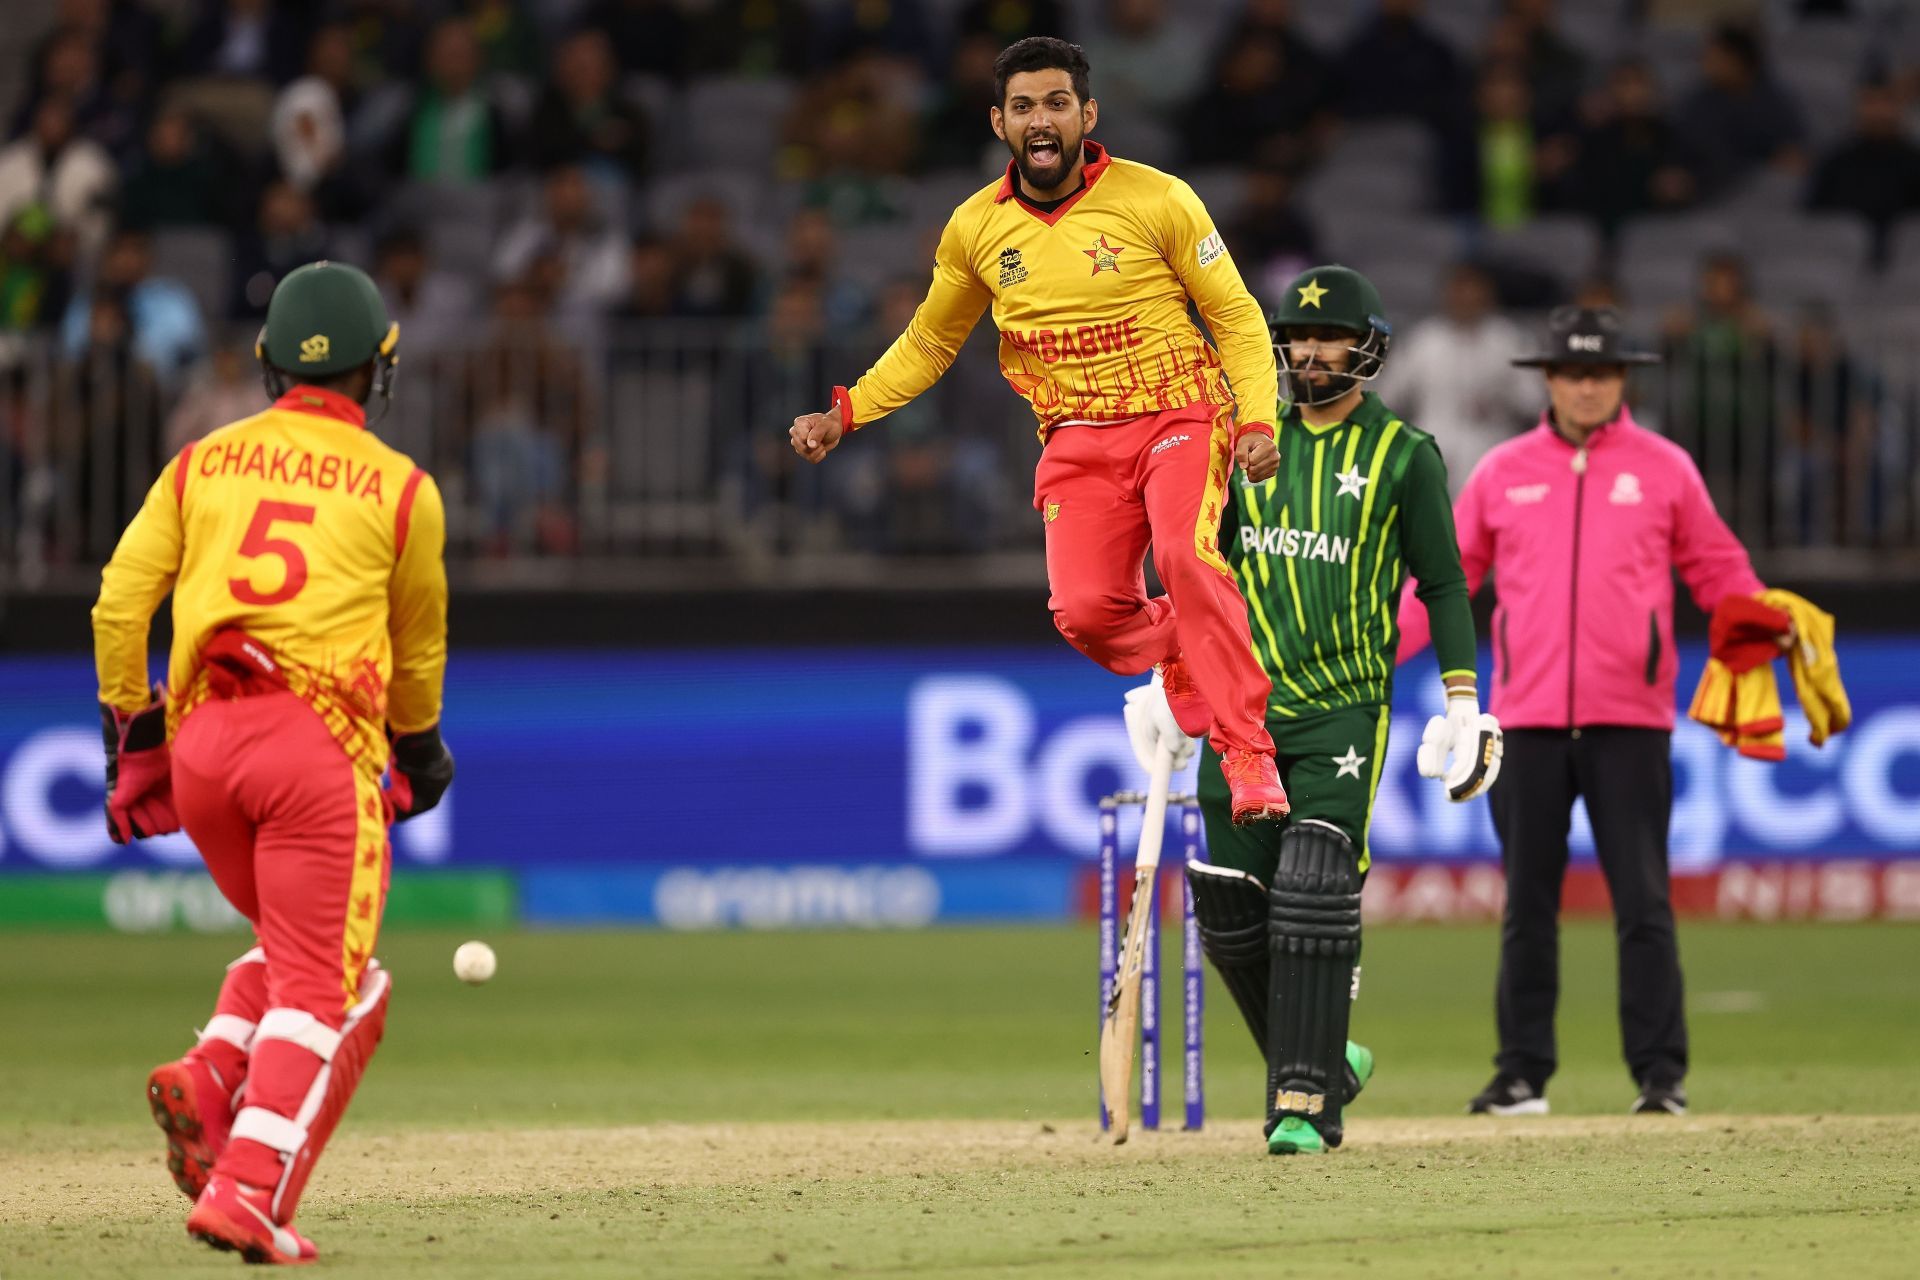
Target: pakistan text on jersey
pixel 1299 544
pixel 292 466
pixel 1077 341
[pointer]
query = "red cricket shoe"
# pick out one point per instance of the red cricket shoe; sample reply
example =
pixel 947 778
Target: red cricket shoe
pixel 235 1218
pixel 1190 710
pixel 1255 783
pixel 193 1108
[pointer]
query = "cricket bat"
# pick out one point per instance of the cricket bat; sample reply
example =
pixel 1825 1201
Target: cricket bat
pixel 1122 1027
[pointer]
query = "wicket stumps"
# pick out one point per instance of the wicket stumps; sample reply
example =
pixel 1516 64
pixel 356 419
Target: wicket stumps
pixel 1192 985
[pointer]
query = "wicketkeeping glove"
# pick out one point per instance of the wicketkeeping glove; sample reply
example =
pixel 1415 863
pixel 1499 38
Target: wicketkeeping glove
pixel 1150 725
pixel 139 771
pixel 1463 747
pixel 422 772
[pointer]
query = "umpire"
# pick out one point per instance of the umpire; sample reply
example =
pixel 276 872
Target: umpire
pixel 1583 521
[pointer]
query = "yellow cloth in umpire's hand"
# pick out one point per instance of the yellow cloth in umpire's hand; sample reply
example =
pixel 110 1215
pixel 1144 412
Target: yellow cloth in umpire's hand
pixel 1738 697
pixel 1815 666
pixel 1744 709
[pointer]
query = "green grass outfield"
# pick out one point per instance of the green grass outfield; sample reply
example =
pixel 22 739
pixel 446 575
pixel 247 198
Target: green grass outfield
pixel 890 1104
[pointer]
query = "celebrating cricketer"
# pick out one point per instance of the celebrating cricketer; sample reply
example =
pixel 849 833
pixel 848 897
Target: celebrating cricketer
pixel 1090 263
pixel 1320 551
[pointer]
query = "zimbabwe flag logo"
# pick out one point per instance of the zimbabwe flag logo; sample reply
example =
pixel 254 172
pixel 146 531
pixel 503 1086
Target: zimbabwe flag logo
pixel 1105 256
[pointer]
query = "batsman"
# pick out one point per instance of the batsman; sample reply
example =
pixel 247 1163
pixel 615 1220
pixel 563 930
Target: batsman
pixel 1320 552
pixel 309 642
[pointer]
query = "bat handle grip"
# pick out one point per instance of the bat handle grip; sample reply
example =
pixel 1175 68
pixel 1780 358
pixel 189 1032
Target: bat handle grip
pixel 1153 823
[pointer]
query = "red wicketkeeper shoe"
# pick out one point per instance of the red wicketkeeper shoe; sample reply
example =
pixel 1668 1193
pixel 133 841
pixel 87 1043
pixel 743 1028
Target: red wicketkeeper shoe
pixel 232 1217
pixel 1190 710
pixel 193 1108
pixel 1255 784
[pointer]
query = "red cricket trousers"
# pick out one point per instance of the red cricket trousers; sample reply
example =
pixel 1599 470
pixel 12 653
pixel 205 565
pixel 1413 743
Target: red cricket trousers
pixel 295 836
pixel 1106 493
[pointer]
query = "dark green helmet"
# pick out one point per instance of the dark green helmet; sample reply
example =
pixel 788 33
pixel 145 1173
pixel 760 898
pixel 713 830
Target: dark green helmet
pixel 1332 297
pixel 324 319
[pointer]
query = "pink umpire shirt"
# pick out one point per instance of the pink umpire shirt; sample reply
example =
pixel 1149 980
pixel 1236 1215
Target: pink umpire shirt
pixel 1583 544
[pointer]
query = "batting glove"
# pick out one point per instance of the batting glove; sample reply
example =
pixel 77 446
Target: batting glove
pixel 1150 726
pixel 139 771
pixel 1463 747
pixel 422 772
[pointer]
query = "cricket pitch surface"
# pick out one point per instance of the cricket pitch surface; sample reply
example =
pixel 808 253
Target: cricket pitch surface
pixel 1702 1195
pixel 890 1104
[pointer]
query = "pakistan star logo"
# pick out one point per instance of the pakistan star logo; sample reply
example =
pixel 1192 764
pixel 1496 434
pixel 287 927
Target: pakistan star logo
pixel 1105 256
pixel 1311 293
pixel 1349 763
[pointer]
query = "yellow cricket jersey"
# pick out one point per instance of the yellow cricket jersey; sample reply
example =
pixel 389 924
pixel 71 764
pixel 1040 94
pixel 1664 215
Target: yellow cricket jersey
pixel 302 528
pixel 1091 303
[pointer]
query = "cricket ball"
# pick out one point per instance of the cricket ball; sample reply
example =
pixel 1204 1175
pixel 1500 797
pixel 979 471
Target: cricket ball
pixel 473 962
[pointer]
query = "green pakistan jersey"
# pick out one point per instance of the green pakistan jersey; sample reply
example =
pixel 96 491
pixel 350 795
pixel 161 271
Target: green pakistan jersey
pixel 1321 550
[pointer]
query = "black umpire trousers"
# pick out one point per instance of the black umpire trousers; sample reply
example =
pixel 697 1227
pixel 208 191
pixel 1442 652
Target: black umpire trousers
pixel 1626 776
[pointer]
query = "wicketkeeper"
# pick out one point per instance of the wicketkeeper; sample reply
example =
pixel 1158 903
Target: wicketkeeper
pixel 309 625
pixel 1320 552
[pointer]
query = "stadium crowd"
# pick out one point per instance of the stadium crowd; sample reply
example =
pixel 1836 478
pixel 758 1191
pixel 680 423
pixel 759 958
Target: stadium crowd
pixel 626 239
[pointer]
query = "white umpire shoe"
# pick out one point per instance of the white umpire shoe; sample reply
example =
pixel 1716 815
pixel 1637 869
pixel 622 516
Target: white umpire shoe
pixel 1509 1095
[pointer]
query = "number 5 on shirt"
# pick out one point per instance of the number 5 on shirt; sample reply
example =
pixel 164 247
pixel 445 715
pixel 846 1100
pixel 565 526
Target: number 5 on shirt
pixel 258 543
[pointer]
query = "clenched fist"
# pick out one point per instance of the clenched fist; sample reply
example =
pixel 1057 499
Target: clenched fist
pixel 814 435
pixel 1258 456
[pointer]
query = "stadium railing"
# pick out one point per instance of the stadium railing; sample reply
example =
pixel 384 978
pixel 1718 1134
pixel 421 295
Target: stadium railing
pixel 657 453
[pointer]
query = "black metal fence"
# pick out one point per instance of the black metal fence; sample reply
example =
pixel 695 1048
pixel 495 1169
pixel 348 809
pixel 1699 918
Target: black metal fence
pixel 658 454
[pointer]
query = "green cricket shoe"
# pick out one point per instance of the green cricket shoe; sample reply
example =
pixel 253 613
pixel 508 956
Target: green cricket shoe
pixel 1295 1135
pixel 1359 1068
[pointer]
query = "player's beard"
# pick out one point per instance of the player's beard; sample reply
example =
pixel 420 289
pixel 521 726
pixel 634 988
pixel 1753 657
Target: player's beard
pixel 1331 385
pixel 1045 177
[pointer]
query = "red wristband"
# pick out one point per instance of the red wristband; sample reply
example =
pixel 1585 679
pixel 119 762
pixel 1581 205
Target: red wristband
pixel 844 403
pixel 1250 428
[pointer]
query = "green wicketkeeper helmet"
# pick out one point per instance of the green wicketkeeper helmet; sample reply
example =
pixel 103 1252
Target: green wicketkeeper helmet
pixel 1332 297
pixel 326 318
